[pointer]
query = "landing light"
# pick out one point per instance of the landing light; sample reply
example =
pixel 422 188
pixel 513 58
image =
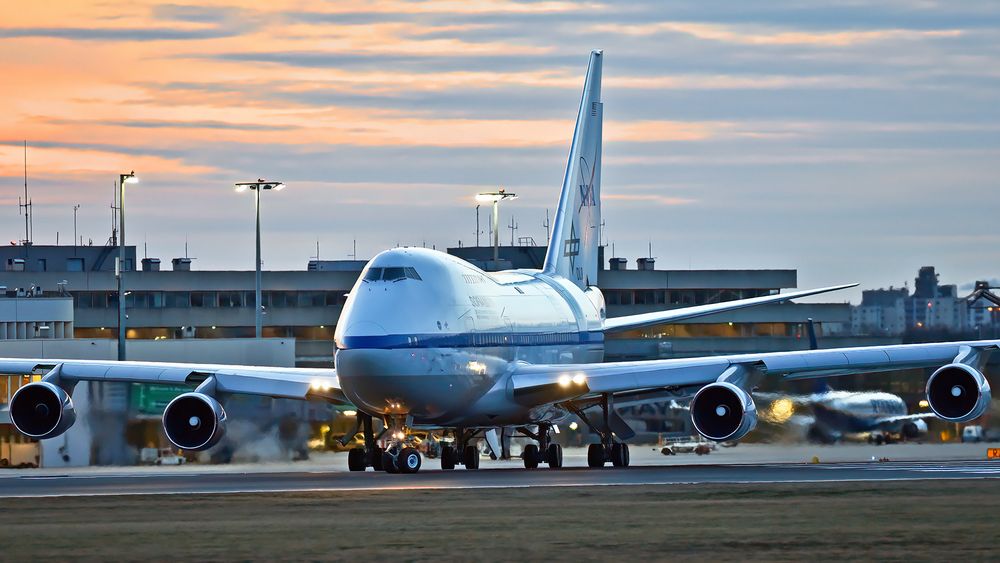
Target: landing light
pixel 320 385
pixel 573 425
pixel 579 379
pixel 564 380
pixel 350 413
pixel 923 404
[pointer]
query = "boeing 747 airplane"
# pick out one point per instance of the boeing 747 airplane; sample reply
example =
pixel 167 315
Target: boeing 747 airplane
pixel 428 341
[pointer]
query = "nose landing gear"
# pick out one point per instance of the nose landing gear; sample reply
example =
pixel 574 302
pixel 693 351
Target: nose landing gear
pixel 399 457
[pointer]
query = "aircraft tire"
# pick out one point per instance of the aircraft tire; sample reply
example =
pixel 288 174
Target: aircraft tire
pixel 470 457
pixel 530 456
pixel 389 463
pixel 356 459
pixel 409 460
pixel 554 456
pixel 619 455
pixel 595 455
pixel 448 456
pixel 377 459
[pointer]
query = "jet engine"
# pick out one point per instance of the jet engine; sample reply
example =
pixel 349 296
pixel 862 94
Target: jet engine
pixel 722 411
pixel 42 410
pixel 913 429
pixel 194 421
pixel 958 393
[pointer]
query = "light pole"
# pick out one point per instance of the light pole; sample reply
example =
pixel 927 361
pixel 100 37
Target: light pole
pixel 495 198
pixel 120 266
pixel 258 186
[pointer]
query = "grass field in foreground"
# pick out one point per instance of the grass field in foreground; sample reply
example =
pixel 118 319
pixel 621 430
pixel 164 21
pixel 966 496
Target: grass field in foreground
pixel 944 520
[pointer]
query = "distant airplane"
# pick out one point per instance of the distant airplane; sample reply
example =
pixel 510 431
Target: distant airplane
pixel 838 414
pixel 428 341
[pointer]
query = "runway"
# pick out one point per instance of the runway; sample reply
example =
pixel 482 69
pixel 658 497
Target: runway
pixel 166 481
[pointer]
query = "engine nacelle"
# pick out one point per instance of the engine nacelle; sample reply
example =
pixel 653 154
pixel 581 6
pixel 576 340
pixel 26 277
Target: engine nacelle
pixel 194 421
pixel 42 410
pixel 914 429
pixel 958 393
pixel 722 411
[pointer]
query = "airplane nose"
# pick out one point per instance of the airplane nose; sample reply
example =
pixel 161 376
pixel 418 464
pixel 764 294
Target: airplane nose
pixel 365 328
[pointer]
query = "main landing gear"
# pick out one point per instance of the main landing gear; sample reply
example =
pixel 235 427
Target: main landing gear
pixel 462 452
pixel 608 450
pixel 359 459
pixel 546 451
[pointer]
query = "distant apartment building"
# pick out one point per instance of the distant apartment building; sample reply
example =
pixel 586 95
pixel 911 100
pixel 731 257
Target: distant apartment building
pixel 932 308
pixel 882 312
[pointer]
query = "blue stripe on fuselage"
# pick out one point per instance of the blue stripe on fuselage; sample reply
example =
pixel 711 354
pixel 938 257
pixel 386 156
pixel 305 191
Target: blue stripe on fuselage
pixel 469 340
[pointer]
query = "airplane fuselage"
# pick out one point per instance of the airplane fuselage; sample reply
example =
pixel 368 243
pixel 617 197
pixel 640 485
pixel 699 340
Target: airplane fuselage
pixel 430 336
pixel 842 412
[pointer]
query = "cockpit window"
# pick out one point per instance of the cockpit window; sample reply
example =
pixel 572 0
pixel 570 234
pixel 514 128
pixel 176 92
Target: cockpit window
pixel 391 274
pixel 394 274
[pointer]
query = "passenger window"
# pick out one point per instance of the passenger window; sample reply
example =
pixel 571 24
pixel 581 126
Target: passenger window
pixel 373 274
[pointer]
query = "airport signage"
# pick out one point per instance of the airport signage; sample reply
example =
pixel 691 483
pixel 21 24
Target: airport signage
pixel 152 399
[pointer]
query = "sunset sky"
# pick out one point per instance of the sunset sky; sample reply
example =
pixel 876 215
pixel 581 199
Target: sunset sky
pixel 853 142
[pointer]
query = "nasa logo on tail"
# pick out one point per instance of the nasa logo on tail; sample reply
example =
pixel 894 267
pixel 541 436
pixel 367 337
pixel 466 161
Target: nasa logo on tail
pixel 587 198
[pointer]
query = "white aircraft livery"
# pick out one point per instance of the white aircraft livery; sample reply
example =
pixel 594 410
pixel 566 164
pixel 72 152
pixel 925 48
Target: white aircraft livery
pixel 427 341
pixel 836 414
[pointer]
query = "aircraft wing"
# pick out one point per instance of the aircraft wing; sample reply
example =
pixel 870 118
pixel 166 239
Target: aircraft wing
pixel 287 383
pixel 903 418
pixel 645 319
pixel 681 377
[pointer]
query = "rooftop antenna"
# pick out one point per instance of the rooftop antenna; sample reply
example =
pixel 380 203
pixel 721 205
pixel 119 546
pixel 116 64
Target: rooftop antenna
pixel 145 246
pixel 601 240
pixel 477 225
pixel 650 254
pixel 26 203
pixel 75 209
pixel 546 224
pixel 513 229
pixel 354 254
pixel 317 251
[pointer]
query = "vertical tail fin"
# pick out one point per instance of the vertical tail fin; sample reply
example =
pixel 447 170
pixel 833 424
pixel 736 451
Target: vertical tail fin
pixel 572 251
